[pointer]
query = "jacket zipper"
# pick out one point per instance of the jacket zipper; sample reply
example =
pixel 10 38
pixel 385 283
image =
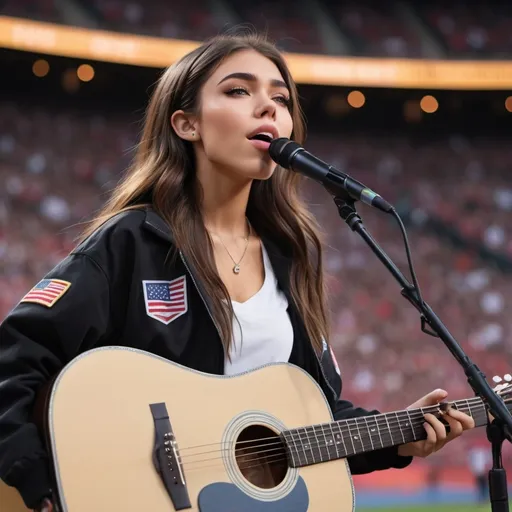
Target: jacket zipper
pixel 326 379
pixel 203 299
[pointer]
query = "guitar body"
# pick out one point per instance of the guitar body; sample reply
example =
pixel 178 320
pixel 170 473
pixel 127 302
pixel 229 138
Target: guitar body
pixel 102 435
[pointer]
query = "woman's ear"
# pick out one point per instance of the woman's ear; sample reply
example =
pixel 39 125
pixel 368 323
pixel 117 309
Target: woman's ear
pixel 184 126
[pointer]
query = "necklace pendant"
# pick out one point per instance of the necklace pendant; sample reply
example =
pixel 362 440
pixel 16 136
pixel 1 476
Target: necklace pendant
pixel 236 269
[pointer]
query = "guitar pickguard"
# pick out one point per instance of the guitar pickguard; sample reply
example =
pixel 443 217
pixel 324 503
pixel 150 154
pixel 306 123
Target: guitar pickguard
pixel 226 497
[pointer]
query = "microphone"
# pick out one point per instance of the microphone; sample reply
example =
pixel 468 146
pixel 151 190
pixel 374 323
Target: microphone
pixel 293 156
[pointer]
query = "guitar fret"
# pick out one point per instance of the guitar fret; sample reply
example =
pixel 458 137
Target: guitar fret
pixel 376 429
pixel 320 444
pixel 422 412
pixel 362 426
pixel 356 421
pixel 298 445
pixel 288 436
pixel 411 425
pixel 369 433
pixel 387 438
pixel 470 412
pixel 350 436
pixel 340 437
pixel 328 443
pixel 480 414
pixel 334 442
pixel 304 445
pixel 389 429
pixel 323 449
pixel 400 427
pixel 378 432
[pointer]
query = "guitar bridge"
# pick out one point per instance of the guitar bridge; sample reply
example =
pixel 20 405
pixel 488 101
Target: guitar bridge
pixel 166 458
pixel 171 449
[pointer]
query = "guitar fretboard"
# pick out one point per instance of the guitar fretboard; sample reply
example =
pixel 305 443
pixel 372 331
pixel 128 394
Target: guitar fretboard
pixel 330 441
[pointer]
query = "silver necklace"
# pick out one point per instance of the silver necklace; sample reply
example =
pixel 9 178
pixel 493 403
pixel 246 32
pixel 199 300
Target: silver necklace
pixel 236 267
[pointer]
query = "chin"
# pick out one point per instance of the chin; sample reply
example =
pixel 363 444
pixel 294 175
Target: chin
pixel 264 173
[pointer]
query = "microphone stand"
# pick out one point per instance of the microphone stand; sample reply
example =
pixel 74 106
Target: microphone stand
pixel 501 427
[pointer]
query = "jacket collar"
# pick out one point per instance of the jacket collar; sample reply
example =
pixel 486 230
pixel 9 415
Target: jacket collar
pixel 154 223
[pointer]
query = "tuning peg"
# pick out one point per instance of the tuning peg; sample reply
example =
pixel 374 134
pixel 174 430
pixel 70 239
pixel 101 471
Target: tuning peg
pixel 497 379
pixel 508 377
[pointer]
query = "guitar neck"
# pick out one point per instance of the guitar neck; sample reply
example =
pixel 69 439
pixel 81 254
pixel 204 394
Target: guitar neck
pixel 330 441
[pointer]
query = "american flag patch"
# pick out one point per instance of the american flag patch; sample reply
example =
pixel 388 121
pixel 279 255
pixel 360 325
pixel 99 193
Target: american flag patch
pixel 47 292
pixel 165 300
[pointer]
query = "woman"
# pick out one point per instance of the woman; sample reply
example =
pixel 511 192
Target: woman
pixel 203 212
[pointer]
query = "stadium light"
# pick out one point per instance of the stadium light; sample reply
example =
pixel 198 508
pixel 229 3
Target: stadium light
pixel 336 105
pixel 70 82
pixel 412 111
pixel 40 68
pixel 356 99
pixel 85 72
pixel 429 104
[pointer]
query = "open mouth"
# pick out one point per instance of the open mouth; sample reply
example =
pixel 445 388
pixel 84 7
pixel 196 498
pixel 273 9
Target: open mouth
pixel 263 137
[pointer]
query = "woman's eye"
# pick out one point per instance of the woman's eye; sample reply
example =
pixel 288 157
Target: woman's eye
pixel 240 91
pixel 285 101
pixel 237 91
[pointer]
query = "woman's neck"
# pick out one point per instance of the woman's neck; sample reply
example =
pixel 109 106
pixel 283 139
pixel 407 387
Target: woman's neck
pixel 224 205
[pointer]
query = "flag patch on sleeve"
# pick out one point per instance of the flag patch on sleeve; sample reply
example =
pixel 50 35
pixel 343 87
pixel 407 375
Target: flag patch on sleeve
pixel 47 292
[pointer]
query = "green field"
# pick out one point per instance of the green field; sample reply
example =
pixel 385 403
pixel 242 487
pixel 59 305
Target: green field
pixel 430 508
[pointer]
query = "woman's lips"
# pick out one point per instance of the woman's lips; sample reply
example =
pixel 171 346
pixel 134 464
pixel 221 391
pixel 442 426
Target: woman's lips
pixel 260 144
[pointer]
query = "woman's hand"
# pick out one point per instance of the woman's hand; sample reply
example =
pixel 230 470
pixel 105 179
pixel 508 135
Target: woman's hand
pixel 436 431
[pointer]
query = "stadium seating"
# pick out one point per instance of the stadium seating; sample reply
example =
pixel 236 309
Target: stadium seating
pixel 52 177
pixel 464 28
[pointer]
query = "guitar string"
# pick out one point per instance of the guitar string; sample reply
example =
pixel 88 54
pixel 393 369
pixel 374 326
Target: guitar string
pixel 413 414
pixel 279 458
pixel 298 436
pixel 262 459
pixel 301 434
pixel 365 445
pixel 265 458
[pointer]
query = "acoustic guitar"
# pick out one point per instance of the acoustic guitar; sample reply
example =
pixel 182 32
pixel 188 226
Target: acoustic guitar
pixel 130 431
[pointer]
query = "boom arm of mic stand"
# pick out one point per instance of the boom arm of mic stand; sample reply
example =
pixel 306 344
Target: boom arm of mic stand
pixel 476 378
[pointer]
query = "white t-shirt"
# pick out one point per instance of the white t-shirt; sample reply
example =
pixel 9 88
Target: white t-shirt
pixel 262 330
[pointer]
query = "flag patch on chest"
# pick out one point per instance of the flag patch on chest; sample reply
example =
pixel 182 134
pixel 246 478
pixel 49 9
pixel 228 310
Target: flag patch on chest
pixel 165 300
pixel 47 292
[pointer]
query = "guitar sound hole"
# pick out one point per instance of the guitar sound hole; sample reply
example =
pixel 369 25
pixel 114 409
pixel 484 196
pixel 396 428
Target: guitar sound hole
pixel 261 456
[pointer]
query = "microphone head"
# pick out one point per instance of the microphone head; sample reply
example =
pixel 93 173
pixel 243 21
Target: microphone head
pixel 282 150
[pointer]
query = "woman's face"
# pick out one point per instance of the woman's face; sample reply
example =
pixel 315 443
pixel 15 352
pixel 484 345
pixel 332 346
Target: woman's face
pixel 244 96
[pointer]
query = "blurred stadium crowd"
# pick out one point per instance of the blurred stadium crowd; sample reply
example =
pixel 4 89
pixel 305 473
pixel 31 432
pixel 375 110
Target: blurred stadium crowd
pixel 394 28
pixel 57 166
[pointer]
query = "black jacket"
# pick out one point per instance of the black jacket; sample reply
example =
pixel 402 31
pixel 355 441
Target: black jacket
pixel 105 305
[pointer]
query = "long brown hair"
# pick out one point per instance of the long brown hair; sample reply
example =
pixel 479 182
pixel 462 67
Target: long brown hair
pixel 163 175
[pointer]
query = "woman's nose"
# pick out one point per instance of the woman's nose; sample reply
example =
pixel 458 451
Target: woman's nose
pixel 266 108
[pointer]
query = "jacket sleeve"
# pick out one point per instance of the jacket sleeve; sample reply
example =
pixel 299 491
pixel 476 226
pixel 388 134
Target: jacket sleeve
pixel 384 458
pixel 36 341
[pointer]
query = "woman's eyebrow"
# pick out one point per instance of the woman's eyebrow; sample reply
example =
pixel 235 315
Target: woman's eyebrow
pixel 249 77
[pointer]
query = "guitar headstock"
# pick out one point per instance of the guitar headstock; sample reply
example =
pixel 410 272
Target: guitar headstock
pixel 503 386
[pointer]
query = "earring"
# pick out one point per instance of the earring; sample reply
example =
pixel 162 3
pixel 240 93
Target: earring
pixel 193 135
